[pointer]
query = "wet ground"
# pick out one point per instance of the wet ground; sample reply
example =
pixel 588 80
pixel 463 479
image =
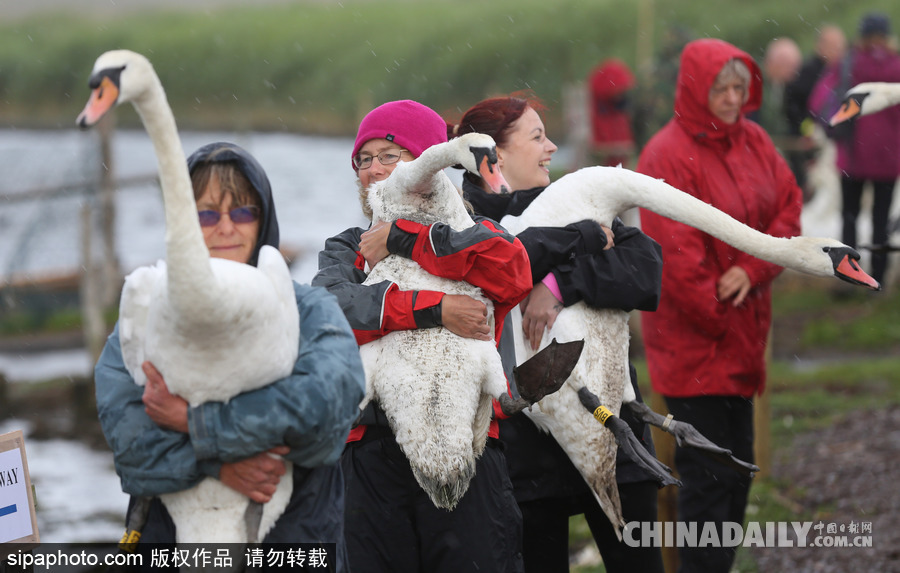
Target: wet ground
pixel 845 475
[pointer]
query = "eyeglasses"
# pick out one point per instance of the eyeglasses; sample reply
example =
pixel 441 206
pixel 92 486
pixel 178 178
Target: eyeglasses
pixel 388 157
pixel 238 215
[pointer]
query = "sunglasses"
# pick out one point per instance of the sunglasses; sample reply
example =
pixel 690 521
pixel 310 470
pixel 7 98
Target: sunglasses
pixel 389 157
pixel 238 215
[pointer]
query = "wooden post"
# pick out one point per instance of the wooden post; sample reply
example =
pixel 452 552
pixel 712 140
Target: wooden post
pixel 111 272
pixel 4 397
pixel 92 320
pixel 96 278
pixel 762 439
pixel 762 425
pixel 92 324
pixel 644 36
pixel 578 133
pixel 667 497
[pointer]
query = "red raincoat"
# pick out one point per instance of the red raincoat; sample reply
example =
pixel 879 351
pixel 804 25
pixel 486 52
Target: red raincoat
pixel 696 345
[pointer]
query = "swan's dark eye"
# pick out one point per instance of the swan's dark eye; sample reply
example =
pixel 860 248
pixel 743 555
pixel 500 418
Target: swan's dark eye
pixel 826 249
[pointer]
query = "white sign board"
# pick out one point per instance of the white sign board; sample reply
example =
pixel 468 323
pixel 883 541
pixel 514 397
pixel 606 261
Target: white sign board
pixel 18 522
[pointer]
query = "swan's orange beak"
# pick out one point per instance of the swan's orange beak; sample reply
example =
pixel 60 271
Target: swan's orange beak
pixel 490 172
pixel 849 109
pixel 102 99
pixel 848 269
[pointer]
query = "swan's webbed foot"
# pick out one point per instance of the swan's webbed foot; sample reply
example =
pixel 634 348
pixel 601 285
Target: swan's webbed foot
pixel 252 520
pixel 546 372
pixel 627 441
pixel 511 406
pixel 134 524
pixel 686 436
pixel 542 374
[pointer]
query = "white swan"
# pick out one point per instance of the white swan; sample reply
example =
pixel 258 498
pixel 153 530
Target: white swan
pixel 600 193
pixel 865 99
pixel 212 327
pixel 434 386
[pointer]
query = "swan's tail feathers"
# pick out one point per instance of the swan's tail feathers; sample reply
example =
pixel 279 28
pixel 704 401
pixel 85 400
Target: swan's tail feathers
pixel 446 492
pixel 481 424
pixel 443 457
pixel 846 268
pixel 607 495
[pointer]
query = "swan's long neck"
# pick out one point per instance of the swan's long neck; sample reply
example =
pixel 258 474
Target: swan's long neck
pixel 187 257
pixel 601 193
pixel 888 95
pixel 438 199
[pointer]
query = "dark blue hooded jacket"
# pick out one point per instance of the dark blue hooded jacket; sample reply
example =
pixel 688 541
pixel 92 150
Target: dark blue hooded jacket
pixel 310 411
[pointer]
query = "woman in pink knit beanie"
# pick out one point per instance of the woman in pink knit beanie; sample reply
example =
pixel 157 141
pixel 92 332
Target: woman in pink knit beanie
pixel 405 127
pixel 391 525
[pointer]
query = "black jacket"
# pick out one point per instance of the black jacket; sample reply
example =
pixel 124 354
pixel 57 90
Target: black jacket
pixel 798 90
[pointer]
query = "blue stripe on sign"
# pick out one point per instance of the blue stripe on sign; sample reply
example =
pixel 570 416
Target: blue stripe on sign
pixel 7 510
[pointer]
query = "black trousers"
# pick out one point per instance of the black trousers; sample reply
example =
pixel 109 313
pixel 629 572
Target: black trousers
pixel 713 492
pixel 392 526
pixel 546 531
pixel 851 193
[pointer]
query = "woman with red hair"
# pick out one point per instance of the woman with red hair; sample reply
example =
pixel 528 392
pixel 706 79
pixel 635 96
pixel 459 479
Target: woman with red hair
pixel 606 268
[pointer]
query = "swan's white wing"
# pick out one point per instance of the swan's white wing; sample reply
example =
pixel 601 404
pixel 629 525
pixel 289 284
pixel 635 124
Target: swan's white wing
pixel 271 263
pixel 523 351
pixel 134 307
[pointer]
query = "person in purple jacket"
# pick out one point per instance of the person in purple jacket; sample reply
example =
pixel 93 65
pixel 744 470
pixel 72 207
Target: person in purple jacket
pixel 872 151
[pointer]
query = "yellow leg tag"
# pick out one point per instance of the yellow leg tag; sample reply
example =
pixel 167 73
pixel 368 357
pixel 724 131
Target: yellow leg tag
pixel 602 414
pixel 130 540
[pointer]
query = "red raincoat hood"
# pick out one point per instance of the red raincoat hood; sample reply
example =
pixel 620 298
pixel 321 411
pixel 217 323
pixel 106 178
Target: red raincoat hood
pixel 701 61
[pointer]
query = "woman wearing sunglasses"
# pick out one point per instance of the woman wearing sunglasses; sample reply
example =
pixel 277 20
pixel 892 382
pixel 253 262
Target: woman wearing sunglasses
pixel 303 417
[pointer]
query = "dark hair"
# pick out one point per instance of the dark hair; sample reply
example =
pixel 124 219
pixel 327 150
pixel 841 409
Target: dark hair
pixel 495 116
pixel 232 180
pixel 874 24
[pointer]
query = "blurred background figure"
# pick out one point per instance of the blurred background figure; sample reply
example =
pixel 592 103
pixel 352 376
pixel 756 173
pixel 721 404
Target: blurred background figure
pixel 831 46
pixel 869 151
pixel 782 61
pixel 655 91
pixel 612 139
pixel 706 343
pixel 781 64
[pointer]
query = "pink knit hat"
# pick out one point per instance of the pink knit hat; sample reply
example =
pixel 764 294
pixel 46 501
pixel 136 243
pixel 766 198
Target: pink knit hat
pixel 409 124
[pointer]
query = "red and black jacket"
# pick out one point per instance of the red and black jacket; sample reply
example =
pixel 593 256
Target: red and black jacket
pixel 484 255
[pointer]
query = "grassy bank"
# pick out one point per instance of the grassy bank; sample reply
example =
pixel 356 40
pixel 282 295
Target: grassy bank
pixel 316 66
